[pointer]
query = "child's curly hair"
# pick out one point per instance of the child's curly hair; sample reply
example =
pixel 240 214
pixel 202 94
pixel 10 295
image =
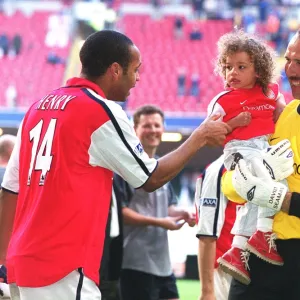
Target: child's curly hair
pixel 262 56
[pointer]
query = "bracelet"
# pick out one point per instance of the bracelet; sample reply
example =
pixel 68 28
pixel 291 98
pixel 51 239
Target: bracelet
pixel 295 205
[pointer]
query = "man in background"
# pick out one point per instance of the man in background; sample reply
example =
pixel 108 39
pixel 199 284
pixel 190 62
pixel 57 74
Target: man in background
pixel 146 270
pixel 7 142
pixel 216 216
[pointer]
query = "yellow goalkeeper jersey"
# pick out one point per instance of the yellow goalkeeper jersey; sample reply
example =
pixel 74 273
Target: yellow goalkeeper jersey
pixel 287 127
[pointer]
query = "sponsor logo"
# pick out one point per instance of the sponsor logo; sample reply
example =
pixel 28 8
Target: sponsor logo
pixel 268 167
pixel 210 202
pixel 250 194
pixel 272 139
pixel 290 154
pixel 259 107
pixel 243 102
pixel 236 157
pixel 278 148
pixel 138 150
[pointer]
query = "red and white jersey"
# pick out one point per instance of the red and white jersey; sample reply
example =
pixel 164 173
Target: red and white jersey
pixel 215 214
pixel 69 145
pixel 232 102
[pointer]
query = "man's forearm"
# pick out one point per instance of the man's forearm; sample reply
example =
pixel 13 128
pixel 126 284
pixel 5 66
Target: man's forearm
pixel 285 207
pixel 8 203
pixel 131 217
pixel 291 204
pixel 172 163
pixel 206 263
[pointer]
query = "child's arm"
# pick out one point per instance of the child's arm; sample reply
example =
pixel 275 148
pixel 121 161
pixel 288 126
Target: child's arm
pixel 280 105
pixel 242 119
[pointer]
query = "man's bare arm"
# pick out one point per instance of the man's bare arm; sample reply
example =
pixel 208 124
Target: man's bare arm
pixel 211 132
pixel 134 218
pixel 8 203
pixel 206 264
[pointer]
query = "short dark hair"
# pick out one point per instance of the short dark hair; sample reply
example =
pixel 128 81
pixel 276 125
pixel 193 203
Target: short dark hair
pixel 103 48
pixel 146 110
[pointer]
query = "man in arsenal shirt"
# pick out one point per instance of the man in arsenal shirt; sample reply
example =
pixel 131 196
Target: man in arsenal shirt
pixel 56 190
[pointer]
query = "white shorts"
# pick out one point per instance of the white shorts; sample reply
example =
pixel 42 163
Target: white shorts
pixel 222 283
pixel 5 289
pixel 246 217
pixel 72 287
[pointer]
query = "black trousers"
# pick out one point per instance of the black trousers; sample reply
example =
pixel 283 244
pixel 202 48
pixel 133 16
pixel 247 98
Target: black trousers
pixel 136 285
pixel 110 290
pixel 270 282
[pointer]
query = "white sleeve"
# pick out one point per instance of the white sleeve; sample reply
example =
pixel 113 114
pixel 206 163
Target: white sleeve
pixel 211 202
pixel 11 176
pixel 214 106
pixel 115 146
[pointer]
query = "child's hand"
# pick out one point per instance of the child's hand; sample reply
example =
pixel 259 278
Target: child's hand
pixel 242 119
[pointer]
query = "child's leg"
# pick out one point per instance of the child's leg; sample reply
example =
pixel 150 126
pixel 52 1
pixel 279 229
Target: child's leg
pixel 235 260
pixel 265 219
pixel 262 242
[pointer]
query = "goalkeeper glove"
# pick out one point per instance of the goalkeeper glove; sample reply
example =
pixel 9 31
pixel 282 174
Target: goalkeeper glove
pixel 278 160
pixel 263 192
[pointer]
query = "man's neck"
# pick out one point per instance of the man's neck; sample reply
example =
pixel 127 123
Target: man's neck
pixel 151 152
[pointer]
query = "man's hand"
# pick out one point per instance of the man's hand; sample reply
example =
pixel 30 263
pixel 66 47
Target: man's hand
pixel 207 296
pixel 172 223
pixel 190 218
pixel 278 160
pixel 260 191
pixel 280 105
pixel 215 130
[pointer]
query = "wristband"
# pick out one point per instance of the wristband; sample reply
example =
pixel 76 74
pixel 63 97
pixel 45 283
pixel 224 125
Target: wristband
pixel 295 205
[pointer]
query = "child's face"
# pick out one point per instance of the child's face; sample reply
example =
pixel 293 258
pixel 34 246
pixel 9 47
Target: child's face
pixel 240 72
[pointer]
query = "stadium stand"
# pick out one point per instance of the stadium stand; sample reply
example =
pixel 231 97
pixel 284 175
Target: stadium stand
pixel 29 71
pixel 162 55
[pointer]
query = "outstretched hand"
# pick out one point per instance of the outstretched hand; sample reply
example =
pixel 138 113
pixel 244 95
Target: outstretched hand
pixel 172 223
pixel 215 130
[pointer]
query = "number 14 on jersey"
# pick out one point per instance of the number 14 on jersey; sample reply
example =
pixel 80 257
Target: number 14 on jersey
pixel 41 157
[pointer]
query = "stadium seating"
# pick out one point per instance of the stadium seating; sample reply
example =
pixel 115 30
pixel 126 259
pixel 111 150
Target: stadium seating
pixel 29 71
pixel 163 55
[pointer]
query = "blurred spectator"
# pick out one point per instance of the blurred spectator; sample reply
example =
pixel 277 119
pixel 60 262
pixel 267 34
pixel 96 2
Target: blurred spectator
pixel 54 59
pixel 196 34
pixel 155 4
pixel 195 82
pixel 16 44
pixel 178 28
pixel 263 10
pixel 198 8
pixel 11 95
pixel 249 22
pixel 4 43
pixel 181 80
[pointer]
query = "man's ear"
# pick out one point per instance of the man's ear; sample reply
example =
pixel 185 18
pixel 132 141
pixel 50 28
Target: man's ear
pixel 115 70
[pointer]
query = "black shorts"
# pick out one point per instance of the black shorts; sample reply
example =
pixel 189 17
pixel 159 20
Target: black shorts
pixel 270 282
pixel 136 285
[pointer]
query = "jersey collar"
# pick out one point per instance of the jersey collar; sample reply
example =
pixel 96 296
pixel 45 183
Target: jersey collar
pixel 84 83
